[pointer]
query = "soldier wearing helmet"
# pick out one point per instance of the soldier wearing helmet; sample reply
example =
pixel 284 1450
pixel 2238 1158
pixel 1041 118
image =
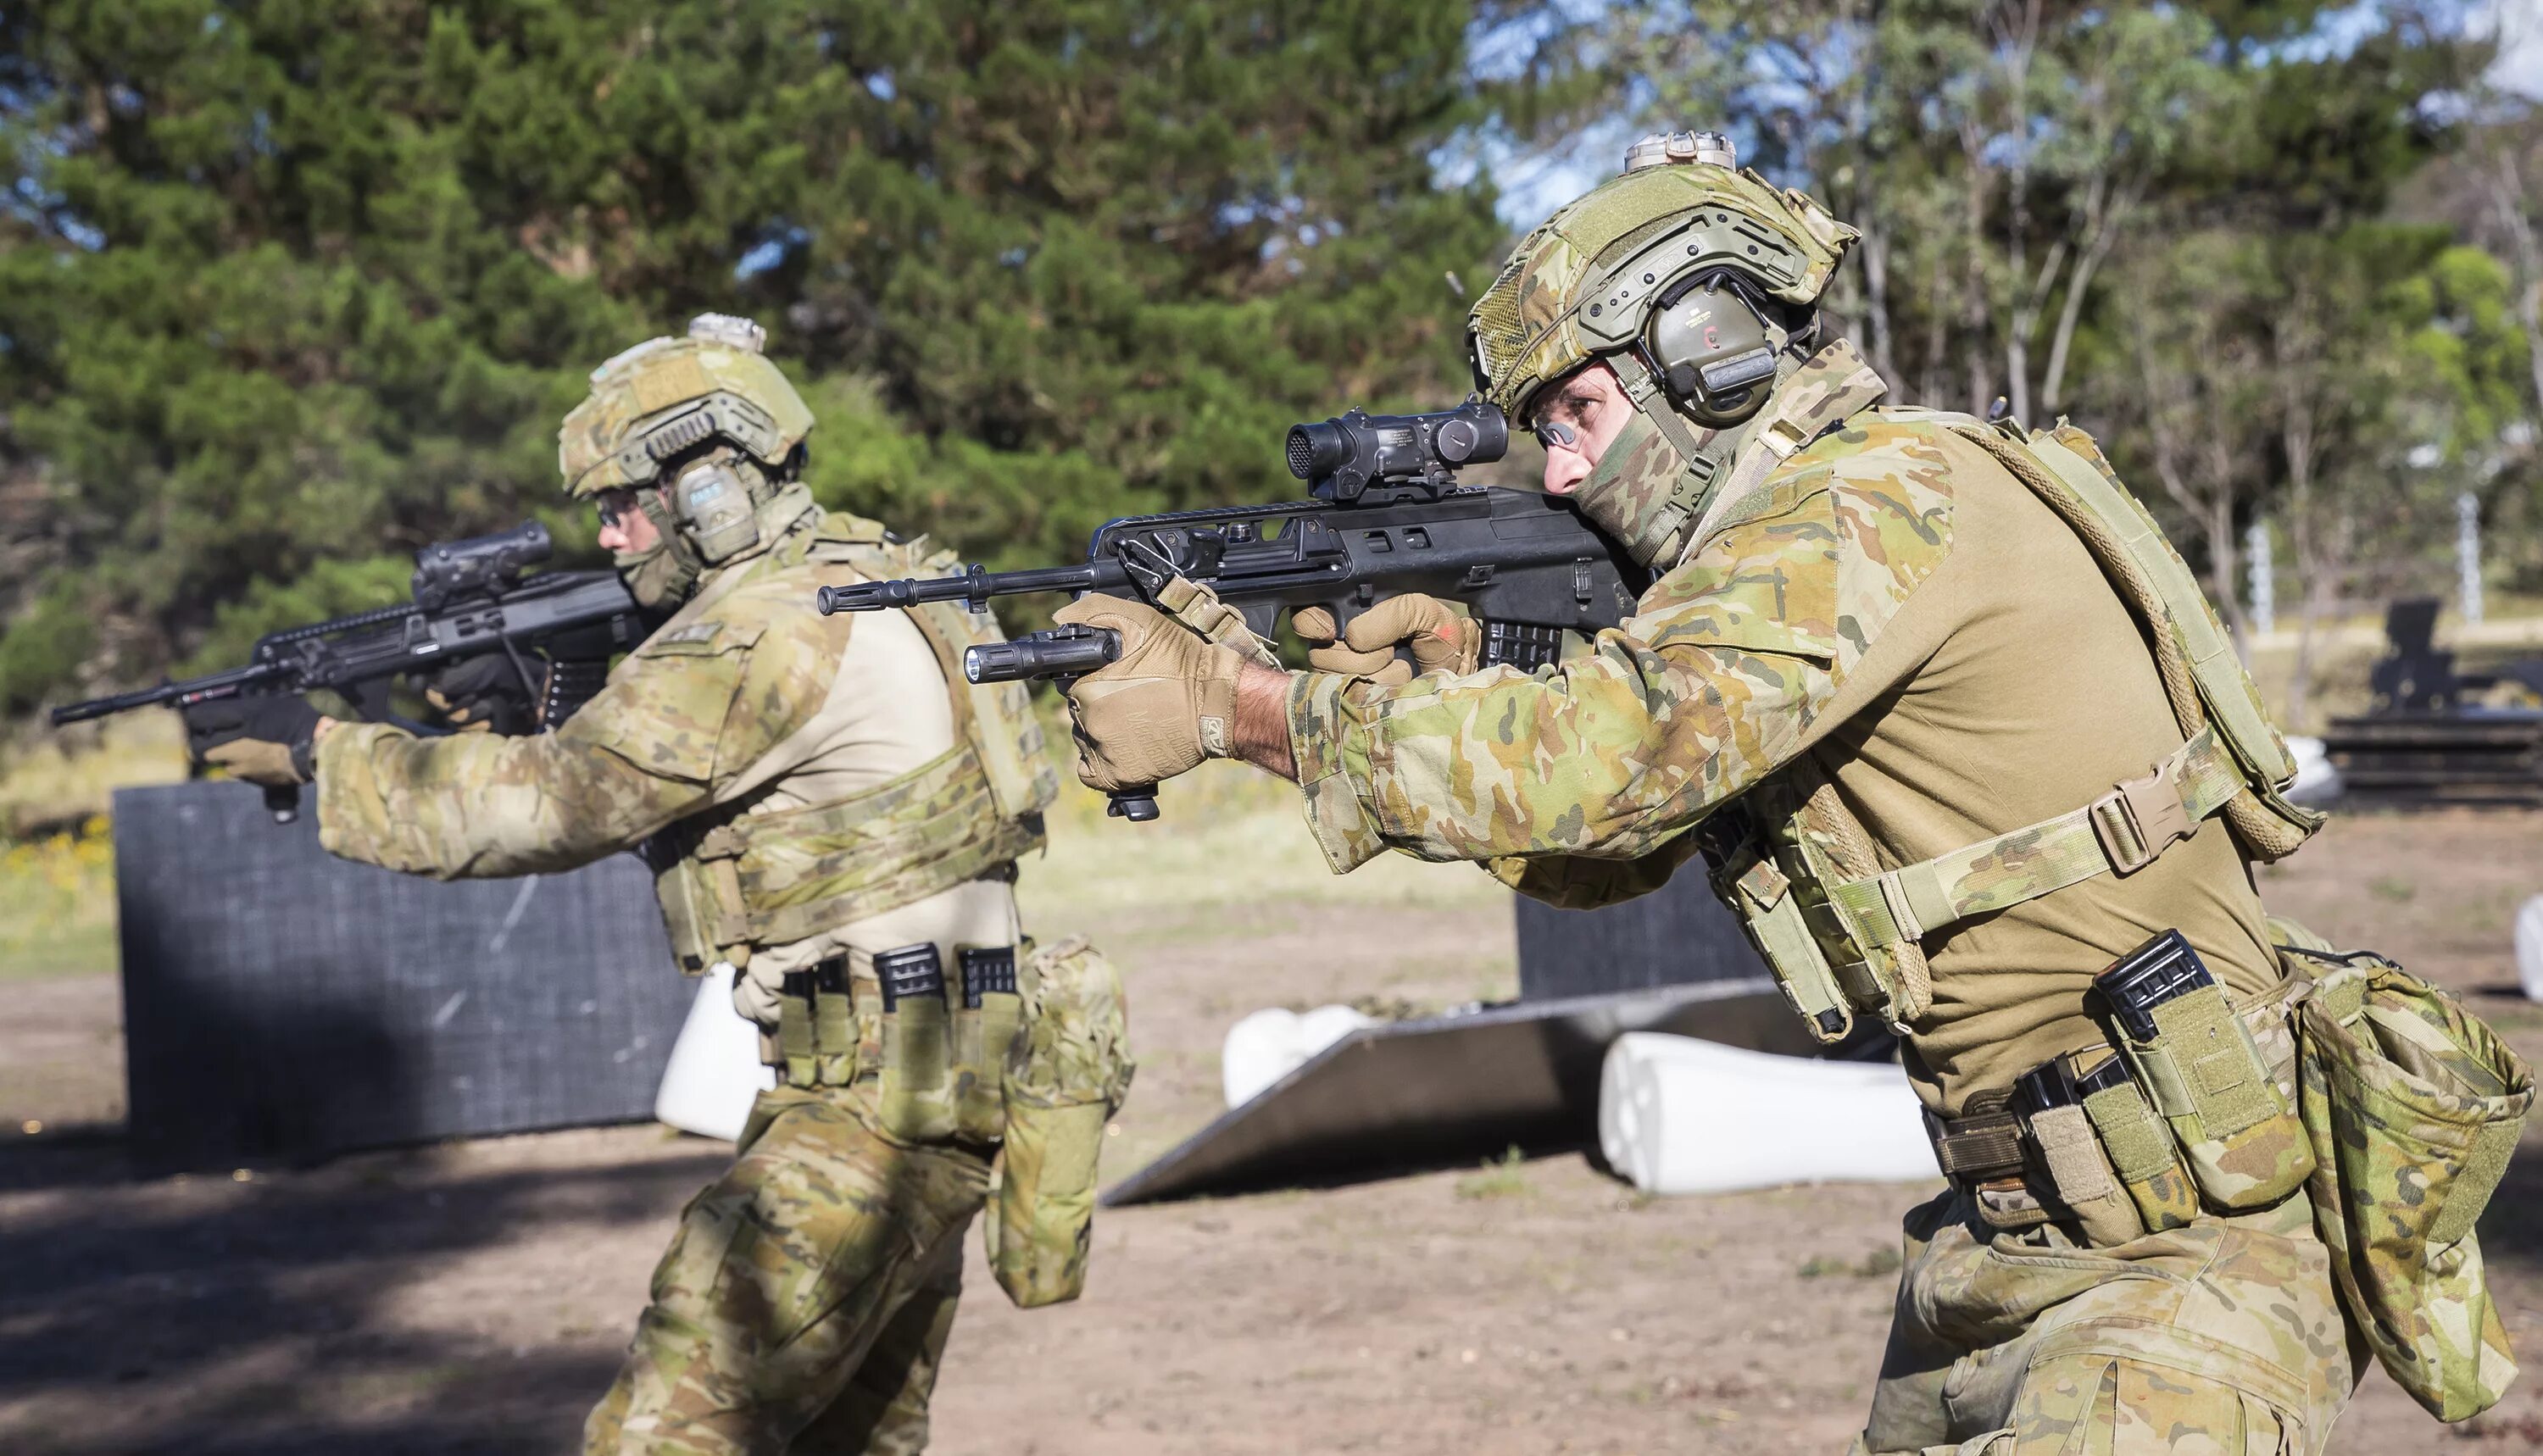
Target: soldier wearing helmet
pixel 1899 679
pixel 814 793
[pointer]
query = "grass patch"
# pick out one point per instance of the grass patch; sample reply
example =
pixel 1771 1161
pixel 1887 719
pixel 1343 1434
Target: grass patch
pixel 1871 1266
pixel 1504 1176
pixel 53 781
pixel 57 905
pixel 57 854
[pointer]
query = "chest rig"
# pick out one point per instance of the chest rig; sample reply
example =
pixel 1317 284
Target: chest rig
pixel 1845 937
pixel 731 880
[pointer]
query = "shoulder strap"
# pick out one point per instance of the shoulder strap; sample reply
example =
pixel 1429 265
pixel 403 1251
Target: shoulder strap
pixel 2214 667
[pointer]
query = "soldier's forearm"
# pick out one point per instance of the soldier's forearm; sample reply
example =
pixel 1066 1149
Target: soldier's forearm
pixel 1261 731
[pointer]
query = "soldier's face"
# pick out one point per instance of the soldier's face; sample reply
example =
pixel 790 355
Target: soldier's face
pixel 624 526
pixel 1576 423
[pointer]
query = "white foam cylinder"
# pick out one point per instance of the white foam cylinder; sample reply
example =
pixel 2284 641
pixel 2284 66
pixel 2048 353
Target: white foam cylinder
pixel 1681 1115
pixel 1270 1044
pixel 2529 948
pixel 715 1072
pixel 2317 781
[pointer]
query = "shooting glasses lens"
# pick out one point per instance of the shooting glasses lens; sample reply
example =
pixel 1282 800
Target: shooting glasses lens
pixel 612 504
pixel 1554 434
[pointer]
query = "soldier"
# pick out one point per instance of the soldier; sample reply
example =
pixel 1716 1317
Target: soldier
pixel 1900 674
pixel 814 793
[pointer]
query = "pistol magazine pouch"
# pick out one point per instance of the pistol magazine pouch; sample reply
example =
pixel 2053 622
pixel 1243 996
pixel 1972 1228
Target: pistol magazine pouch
pixel 2413 1107
pixel 916 1095
pixel 985 1027
pixel 1064 1079
pixel 2139 1148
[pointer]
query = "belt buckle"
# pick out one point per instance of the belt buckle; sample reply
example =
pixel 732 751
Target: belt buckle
pixel 2140 818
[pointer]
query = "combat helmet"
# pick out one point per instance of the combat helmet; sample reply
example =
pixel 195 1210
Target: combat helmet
pixel 1605 274
pixel 1698 283
pixel 705 430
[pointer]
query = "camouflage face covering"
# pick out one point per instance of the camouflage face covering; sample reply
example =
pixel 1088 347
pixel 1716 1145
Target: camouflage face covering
pixel 666 574
pixel 1640 492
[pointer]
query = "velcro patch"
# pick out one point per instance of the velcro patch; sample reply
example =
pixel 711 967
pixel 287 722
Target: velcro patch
pixel 2222 1071
pixel 695 633
pixel 670 382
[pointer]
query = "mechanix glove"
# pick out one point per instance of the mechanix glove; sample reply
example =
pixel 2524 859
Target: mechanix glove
pixel 482 694
pixel 263 740
pixel 1165 704
pixel 1439 640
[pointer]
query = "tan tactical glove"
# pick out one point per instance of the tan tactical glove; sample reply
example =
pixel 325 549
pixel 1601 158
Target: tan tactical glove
pixel 756 992
pixel 1439 640
pixel 1165 704
pixel 1198 608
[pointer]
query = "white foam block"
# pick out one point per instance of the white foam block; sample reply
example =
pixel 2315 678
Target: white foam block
pixel 715 1072
pixel 1681 1115
pixel 2529 948
pixel 2317 781
pixel 1270 1044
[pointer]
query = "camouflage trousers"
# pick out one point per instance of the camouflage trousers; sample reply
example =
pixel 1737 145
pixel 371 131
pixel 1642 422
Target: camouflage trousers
pixel 805 1302
pixel 2223 1337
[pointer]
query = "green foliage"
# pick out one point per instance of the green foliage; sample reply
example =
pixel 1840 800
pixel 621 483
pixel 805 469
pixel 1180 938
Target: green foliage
pixel 287 284
pixel 44 648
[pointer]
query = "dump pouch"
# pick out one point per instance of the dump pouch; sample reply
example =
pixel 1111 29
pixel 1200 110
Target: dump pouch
pixel 1066 1077
pixel 2413 1107
pixel 915 1100
pixel 2197 1064
pixel 984 1030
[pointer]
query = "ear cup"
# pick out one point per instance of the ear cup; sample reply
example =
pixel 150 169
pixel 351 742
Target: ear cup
pixel 716 505
pixel 1713 349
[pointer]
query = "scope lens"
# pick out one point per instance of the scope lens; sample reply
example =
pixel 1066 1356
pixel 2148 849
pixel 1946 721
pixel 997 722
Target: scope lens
pixel 1302 453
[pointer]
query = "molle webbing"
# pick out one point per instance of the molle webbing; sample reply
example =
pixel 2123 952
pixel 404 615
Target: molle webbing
pixel 2122 832
pixel 802 872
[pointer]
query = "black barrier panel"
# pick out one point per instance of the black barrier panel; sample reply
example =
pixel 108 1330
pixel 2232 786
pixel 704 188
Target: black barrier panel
pixel 279 1003
pixel 1675 936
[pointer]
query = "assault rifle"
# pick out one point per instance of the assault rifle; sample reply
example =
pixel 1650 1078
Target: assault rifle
pixel 1387 518
pixel 558 629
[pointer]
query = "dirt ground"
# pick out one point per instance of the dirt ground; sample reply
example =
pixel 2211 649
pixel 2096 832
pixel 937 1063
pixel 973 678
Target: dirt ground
pixel 475 1297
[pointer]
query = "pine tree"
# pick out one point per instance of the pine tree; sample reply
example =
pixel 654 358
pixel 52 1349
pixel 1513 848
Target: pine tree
pixel 287 290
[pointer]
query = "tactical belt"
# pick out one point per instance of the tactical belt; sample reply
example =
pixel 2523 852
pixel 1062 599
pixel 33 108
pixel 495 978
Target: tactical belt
pixel 1981 1145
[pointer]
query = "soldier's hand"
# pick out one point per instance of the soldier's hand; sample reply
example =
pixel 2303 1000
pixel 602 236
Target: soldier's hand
pixel 261 739
pixel 758 992
pixel 1166 703
pixel 1439 640
pixel 480 694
